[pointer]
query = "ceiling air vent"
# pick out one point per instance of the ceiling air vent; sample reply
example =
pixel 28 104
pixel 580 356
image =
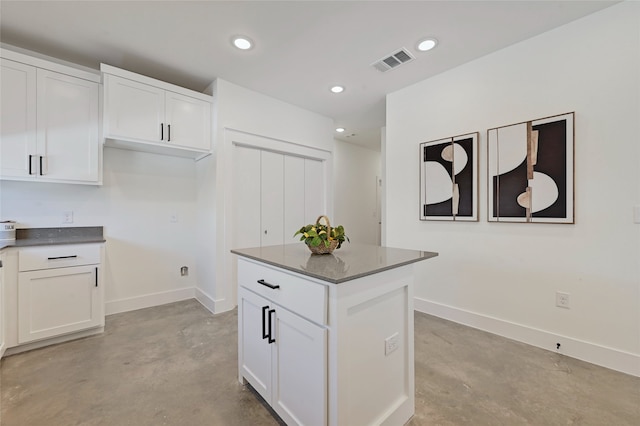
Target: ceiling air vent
pixel 392 61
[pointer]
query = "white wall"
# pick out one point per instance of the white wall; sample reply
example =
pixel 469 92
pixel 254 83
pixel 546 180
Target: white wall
pixel 355 173
pixel 144 250
pixel 243 110
pixel 503 277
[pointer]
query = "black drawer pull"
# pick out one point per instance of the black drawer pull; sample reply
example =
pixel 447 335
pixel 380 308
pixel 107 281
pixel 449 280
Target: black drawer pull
pixel 266 284
pixel 264 323
pixel 63 257
pixel 271 339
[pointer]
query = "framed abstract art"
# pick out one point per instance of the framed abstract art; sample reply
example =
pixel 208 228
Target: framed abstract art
pixel 449 179
pixel 530 168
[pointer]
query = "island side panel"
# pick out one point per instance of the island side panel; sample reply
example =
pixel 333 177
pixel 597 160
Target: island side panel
pixel 370 383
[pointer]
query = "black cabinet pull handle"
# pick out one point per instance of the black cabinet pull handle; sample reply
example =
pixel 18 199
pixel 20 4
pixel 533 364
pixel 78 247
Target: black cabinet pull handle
pixel 41 166
pixel 62 257
pixel 30 163
pixel 161 131
pixel 168 132
pixel 266 284
pixel 264 323
pixel 271 339
pixel 96 276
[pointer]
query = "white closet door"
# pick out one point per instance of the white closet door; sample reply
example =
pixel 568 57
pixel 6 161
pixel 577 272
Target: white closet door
pixel 272 198
pixel 314 190
pixel 246 197
pixel 294 217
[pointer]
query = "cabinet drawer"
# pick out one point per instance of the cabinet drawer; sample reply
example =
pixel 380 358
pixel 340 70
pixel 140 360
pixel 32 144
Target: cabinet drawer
pixel 62 256
pixel 305 298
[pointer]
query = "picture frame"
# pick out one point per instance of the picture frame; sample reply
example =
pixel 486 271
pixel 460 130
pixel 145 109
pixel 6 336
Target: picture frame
pixel 449 179
pixel 531 171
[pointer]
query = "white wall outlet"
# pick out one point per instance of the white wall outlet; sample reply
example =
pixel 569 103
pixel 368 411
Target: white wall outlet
pixel 391 343
pixel 67 217
pixel 173 218
pixel 562 300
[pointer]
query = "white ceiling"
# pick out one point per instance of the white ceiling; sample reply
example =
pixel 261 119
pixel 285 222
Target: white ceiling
pixel 302 47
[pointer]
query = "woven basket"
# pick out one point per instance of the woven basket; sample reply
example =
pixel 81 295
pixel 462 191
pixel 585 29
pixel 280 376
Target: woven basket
pixel 323 249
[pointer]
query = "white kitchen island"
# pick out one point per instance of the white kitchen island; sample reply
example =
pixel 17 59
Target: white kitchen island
pixel 328 339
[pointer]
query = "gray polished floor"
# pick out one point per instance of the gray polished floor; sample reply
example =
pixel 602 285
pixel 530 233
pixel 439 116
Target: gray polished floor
pixel 176 365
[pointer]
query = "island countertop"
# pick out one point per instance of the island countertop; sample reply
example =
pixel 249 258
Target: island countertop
pixel 350 262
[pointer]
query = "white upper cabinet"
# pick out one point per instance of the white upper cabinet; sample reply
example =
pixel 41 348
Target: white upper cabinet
pixel 144 114
pixel 17 118
pixel 49 121
pixel 68 127
pixel 133 110
pixel 188 121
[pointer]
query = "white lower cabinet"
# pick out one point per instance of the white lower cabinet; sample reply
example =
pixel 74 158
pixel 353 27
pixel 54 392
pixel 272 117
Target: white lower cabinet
pixel 60 291
pixel 284 357
pixel 58 301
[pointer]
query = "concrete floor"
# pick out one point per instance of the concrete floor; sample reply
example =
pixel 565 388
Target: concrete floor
pixel 177 365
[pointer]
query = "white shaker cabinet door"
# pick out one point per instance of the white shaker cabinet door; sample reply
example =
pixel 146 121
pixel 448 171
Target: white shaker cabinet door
pixel 68 127
pixel 52 302
pixel 17 118
pixel 133 111
pixel 188 121
pixel 300 370
pixel 255 349
pixel 272 198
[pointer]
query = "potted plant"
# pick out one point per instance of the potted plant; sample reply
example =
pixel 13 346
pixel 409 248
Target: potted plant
pixel 322 239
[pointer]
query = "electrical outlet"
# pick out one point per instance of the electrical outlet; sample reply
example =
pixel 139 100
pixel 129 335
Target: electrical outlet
pixel 562 300
pixel 67 217
pixel 184 271
pixel 173 218
pixel 391 343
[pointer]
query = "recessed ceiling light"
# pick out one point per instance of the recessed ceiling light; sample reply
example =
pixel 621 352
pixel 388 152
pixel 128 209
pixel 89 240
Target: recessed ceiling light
pixel 340 129
pixel 242 42
pixel 337 89
pixel 427 44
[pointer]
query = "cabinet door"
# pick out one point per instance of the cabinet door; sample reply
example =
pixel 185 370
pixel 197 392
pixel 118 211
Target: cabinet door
pixel 133 111
pixel 300 370
pixel 188 121
pixel 68 128
pixel 255 350
pixel 52 302
pixel 272 198
pixel 17 118
pixel 293 197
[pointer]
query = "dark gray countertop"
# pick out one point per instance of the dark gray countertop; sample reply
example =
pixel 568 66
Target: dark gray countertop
pixel 28 237
pixel 351 261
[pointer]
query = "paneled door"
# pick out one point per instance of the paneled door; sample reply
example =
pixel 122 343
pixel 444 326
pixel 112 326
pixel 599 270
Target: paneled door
pixel 272 198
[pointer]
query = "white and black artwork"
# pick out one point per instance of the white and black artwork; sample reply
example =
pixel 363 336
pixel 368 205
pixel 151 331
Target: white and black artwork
pixel 530 169
pixel 449 179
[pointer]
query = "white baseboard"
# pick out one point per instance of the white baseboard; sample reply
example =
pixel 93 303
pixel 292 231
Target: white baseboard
pixel 596 354
pixel 215 306
pixel 2 349
pixel 148 300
